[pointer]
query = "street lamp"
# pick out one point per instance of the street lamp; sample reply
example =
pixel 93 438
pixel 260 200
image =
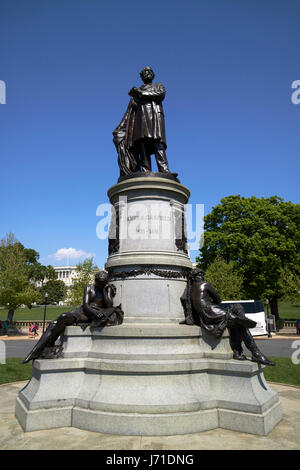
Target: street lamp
pixel 46 298
pixel 268 319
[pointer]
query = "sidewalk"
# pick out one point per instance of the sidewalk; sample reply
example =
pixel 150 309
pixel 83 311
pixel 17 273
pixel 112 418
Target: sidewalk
pixel 285 436
pixel 19 337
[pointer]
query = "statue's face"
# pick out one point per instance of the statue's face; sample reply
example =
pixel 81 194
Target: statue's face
pixel 101 277
pixel 147 75
pixel 198 276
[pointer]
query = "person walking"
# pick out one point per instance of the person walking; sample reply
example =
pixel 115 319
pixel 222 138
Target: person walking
pixel 35 329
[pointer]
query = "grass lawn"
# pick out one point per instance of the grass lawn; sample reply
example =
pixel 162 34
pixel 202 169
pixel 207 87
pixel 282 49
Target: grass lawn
pixel 35 313
pixel 284 372
pixel 14 371
pixel 289 310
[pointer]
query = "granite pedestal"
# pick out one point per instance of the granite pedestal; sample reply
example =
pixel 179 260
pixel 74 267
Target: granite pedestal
pixel 147 379
pixel 150 375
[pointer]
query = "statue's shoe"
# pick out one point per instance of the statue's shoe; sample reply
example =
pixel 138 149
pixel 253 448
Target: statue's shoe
pixel 186 322
pixel 261 359
pixel 239 356
pixel 28 358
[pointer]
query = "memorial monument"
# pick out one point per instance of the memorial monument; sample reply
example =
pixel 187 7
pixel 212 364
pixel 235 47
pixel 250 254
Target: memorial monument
pixel 171 361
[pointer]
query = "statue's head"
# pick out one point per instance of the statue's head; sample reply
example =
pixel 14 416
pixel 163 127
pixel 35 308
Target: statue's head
pixel 196 275
pixel 147 74
pixel 101 277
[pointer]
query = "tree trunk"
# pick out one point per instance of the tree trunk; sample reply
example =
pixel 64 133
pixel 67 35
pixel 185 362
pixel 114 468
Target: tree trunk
pixel 10 315
pixel 274 310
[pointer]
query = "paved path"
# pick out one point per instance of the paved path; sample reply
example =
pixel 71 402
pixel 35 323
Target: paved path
pixel 285 436
pixel 19 348
pixel 277 347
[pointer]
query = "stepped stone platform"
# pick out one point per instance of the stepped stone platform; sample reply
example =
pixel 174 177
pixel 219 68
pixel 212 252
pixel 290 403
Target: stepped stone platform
pixel 147 379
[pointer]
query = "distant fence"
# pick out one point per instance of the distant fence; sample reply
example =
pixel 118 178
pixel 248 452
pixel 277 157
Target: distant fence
pixel 21 324
pixel 287 324
pixel 19 327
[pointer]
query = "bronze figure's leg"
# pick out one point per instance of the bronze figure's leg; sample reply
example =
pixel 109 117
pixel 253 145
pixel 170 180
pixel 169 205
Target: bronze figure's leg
pixel 257 355
pixel 161 157
pixel 145 158
pixel 235 340
pixel 54 330
pixel 236 316
pixel 239 334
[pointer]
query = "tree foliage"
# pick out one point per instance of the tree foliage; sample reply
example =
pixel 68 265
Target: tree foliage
pixel 15 286
pixel 227 282
pixel 85 272
pixel 56 290
pixel 261 237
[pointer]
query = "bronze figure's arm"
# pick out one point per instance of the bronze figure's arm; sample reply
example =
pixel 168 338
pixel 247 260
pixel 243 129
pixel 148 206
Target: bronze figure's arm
pixel 91 313
pixel 109 292
pixel 154 93
pixel 213 293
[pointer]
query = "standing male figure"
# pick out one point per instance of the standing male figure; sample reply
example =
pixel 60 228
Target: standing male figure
pixel 142 128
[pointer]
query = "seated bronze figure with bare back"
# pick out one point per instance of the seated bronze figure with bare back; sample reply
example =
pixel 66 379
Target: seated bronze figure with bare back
pixel 97 309
pixel 199 309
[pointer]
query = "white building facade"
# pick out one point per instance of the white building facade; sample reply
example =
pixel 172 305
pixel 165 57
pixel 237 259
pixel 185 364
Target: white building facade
pixel 66 274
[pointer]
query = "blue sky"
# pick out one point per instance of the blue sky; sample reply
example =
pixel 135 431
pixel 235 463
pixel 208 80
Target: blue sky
pixel 68 65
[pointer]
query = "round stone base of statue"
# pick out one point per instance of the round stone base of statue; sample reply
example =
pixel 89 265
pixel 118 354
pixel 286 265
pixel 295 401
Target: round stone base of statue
pixel 147 379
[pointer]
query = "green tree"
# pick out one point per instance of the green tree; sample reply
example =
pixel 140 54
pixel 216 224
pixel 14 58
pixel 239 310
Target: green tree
pixel 261 236
pixel 292 285
pixel 85 273
pixel 36 271
pixel 56 290
pixel 224 278
pixel 15 286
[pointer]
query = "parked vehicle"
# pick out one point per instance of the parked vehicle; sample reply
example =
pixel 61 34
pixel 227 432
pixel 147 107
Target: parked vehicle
pixel 254 309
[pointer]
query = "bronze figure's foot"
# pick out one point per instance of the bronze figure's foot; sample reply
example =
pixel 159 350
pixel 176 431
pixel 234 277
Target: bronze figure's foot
pixel 185 322
pixel 30 357
pixel 261 359
pixel 239 356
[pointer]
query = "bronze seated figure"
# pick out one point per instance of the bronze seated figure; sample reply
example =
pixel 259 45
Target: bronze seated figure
pixel 200 310
pixel 97 309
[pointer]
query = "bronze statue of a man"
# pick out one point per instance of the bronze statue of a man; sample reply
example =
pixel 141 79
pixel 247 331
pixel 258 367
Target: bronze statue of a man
pixel 96 309
pixel 201 304
pixel 141 131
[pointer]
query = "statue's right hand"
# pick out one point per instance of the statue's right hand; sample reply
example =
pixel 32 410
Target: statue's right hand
pixel 131 92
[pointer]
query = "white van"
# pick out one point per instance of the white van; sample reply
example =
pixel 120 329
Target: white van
pixel 254 309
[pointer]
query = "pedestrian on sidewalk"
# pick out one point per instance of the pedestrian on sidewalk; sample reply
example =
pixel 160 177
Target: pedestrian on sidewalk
pixel 30 331
pixel 5 326
pixel 34 329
